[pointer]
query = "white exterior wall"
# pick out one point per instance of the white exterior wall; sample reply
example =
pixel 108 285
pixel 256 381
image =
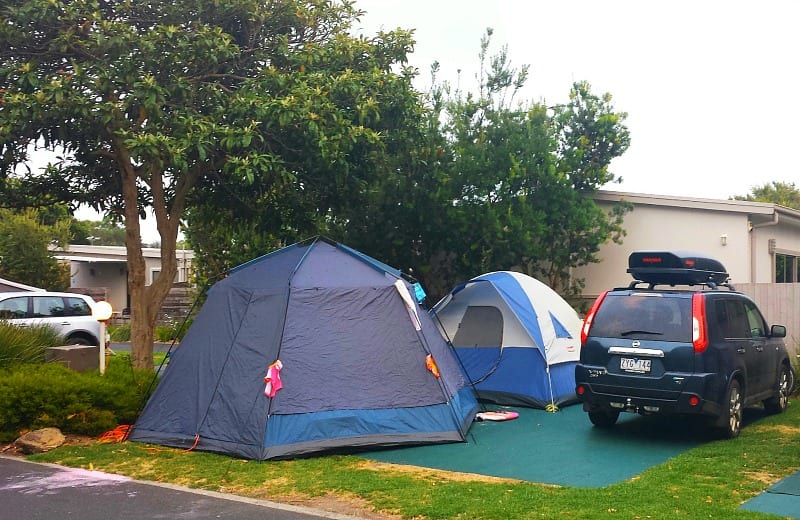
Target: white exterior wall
pixel 110 275
pixel 663 228
pixel 697 225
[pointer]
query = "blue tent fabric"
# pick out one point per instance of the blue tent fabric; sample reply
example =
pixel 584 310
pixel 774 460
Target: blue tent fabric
pixel 561 330
pixel 354 371
pixel 517 339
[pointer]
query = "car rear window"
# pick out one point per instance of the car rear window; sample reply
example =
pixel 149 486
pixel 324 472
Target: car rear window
pixel 77 307
pixel 644 316
pixel 48 306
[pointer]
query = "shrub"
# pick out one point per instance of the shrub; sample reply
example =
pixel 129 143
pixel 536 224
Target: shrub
pixel 171 332
pixel 166 332
pixel 35 396
pixel 26 345
pixel 119 332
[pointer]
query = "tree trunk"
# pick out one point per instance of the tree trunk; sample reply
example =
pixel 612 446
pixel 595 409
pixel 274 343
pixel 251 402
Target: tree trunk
pixel 145 299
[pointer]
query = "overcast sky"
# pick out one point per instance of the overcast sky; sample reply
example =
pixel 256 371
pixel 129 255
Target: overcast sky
pixel 710 87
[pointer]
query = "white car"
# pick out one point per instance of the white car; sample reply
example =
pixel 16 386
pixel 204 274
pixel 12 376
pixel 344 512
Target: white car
pixel 68 313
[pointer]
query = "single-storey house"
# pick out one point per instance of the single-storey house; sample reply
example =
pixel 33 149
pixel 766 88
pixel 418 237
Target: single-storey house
pixel 758 243
pixel 102 271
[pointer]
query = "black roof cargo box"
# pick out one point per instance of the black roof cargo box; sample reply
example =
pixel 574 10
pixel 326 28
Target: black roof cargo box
pixel 676 268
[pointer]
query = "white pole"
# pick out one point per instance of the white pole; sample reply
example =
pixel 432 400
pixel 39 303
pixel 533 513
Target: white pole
pixel 102 347
pixel 102 312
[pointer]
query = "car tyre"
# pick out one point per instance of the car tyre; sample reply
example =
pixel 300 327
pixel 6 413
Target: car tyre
pixel 779 402
pixel 603 419
pixel 79 340
pixel 733 411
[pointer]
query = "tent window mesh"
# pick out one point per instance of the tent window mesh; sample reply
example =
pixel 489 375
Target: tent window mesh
pixel 481 326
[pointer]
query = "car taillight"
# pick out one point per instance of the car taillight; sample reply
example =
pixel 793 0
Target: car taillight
pixel 699 332
pixel 587 322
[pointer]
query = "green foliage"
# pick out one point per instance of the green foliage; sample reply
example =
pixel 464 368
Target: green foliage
pixel 783 193
pixel 119 333
pixel 151 100
pixel 164 332
pixel 25 256
pixel 338 120
pixel 26 345
pixel 36 396
pixel 99 233
pixel 173 331
pixel 466 185
pixel 497 185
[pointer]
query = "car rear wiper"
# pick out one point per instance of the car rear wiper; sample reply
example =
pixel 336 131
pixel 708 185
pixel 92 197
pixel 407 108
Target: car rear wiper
pixel 629 332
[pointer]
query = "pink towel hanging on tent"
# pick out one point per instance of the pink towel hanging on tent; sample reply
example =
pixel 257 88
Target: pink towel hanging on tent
pixel 273 379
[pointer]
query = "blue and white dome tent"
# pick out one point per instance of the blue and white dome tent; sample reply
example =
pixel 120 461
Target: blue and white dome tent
pixel 517 339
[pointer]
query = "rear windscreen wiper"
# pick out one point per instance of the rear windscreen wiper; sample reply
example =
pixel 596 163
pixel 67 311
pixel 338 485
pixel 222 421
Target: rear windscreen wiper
pixel 629 332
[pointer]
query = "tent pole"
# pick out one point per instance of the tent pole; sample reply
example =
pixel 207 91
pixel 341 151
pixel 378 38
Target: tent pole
pixel 461 363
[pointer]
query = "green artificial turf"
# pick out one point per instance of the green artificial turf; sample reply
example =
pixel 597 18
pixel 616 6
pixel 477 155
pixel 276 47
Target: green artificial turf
pixel 556 448
pixel 782 498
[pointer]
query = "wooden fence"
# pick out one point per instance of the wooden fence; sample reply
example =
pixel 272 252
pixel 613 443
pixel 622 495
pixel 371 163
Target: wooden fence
pixel 780 303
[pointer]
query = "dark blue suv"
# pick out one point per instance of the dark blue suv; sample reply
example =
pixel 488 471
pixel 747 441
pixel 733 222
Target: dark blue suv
pixel 680 340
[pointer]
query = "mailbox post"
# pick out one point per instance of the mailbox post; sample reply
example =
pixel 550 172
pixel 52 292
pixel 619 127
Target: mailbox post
pixel 102 313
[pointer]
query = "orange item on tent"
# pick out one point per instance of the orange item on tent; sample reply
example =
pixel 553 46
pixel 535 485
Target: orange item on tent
pixel 430 364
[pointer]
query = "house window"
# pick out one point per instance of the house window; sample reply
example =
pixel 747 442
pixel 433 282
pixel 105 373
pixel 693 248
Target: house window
pixel 786 268
pixel 155 273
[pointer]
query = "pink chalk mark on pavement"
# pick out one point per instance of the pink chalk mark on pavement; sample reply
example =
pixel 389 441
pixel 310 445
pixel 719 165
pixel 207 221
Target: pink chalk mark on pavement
pixel 35 484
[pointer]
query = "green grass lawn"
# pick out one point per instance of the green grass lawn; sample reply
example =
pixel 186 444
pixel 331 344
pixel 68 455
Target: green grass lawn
pixel 710 481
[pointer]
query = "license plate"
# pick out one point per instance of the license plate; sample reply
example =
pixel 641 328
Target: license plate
pixel 640 366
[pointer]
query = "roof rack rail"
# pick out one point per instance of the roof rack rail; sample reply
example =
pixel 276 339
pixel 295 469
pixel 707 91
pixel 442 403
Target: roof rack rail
pixel 710 285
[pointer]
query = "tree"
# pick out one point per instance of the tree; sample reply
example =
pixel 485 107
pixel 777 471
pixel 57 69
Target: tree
pixel 496 184
pixel 776 192
pixel 98 232
pixel 151 100
pixel 232 221
pixel 25 255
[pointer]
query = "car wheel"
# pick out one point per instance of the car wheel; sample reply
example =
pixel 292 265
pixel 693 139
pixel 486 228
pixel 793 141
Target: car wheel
pixel 778 402
pixel 733 411
pixel 603 419
pixel 78 340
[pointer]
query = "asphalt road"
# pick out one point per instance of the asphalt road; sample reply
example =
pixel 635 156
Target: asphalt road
pixel 33 491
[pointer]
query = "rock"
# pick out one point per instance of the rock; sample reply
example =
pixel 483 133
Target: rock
pixel 39 441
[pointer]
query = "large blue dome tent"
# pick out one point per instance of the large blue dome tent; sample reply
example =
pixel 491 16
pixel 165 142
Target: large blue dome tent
pixel 312 347
pixel 518 340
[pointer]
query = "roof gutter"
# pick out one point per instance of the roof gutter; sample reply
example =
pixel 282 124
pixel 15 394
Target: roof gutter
pixel 775 220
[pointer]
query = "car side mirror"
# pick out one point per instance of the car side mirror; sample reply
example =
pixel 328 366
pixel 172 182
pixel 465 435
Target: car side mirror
pixel 778 331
